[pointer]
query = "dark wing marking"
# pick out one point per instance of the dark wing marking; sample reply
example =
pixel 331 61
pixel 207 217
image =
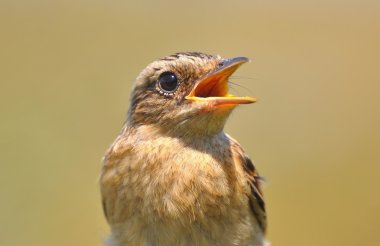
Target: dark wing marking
pixel 256 200
pixel 104 208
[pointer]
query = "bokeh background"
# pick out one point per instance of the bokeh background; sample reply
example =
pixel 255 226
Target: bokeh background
pixel 66 69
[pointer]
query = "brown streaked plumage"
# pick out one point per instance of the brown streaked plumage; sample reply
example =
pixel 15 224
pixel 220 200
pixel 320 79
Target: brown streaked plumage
pixel 172 176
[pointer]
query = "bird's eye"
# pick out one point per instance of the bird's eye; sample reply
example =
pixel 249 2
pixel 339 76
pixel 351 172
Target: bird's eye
pixel 168 82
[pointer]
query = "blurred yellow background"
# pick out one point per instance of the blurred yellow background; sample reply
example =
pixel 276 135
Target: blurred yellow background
pixel 66 69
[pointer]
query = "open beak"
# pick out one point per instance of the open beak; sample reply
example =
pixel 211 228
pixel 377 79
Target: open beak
pixel 213 88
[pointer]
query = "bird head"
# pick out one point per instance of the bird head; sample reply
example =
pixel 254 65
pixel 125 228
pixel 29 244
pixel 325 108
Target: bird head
pixel 185 94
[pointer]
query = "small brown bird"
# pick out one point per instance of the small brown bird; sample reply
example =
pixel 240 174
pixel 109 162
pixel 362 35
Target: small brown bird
pixel 172 176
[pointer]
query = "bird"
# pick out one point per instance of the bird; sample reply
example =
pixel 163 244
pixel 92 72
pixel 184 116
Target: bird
pixel 173 176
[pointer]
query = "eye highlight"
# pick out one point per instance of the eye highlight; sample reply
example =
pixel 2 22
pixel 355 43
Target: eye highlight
pixel 167 82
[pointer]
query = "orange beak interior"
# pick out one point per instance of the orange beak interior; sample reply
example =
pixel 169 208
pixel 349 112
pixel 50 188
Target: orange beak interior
pixel 213 88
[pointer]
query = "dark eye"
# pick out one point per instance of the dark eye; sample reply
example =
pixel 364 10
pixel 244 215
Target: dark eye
pixel 168 82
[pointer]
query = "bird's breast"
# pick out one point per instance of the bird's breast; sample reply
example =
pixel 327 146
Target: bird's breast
pixel 188 188
pixel 179 180
pixel 166 177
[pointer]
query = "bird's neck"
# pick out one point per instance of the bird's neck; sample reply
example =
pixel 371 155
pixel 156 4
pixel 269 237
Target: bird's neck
pixel 192 133
pixel 149 132
pixel 202 125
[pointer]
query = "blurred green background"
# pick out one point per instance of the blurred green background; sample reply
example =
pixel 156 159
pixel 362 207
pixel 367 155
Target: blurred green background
pixel 66 69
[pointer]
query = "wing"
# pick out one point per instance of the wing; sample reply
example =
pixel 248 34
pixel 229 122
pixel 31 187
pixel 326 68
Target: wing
pixel 111 176
pixel 256 200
